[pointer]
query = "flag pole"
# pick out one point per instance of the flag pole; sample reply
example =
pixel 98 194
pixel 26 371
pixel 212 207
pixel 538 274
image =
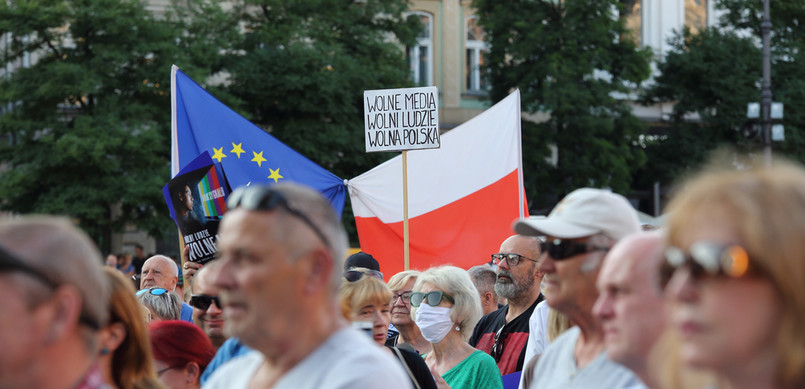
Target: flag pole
pixel 405 207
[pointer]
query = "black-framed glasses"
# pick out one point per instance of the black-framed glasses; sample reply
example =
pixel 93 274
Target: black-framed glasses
pixel 156 291
pixel 511 259
pixel 264 198
pixel 497 345
pixel 203 302
pixel 355 275
pixel 705 258
pixel 431 298
pixel 560 249
pixel 404 296
pixel 11 263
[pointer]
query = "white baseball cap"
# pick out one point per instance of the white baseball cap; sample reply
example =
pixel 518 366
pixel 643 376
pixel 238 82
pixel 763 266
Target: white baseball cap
pixel 584 212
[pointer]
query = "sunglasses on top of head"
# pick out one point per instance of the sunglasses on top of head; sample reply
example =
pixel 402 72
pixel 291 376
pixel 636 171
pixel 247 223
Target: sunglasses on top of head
pixel 264 198
pixel 708 259
pixel 156 291
pixel 559 249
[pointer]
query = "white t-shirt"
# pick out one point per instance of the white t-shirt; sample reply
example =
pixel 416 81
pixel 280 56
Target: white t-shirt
pixel 347 359
pixel 537 331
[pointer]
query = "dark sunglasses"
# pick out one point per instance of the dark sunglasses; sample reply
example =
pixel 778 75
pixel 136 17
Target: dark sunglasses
pixel 497 346
pixel 202 301
pixel 156 291
pixel 263 198
pixel 355 275
pixel 708 259
pixel 10 263
pixel 431 298
pixel 511 259
pixel 560 249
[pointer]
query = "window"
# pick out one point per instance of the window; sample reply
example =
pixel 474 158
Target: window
pixel 420 57
pixel 476 50
pixel 633 19
pixel 695 15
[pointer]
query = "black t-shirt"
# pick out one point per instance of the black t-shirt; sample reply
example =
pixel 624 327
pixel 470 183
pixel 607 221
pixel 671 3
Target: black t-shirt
pixel 419 369
pixel 513 335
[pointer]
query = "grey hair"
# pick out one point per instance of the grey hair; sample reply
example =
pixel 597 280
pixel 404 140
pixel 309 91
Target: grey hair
pixel 65 255
pixel 466 311
pixel 483 277
pixel 595 259
pixel 397 281
pixel 167 306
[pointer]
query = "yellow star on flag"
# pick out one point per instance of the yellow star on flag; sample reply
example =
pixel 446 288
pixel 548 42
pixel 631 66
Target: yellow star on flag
pixel 237 149
pixel 275 174
pixel 258 157
pixel 219 154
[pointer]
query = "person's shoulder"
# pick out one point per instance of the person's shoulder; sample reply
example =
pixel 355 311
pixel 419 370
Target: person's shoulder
pixel 235 373
pixel 493 317
pixel 559 349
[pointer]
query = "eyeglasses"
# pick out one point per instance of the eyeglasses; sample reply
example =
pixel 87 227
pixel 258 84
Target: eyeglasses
pixel 11 263
pixel 710 259
pixel 263 198
pixel 202 301
pixel 159 373
pixel 153 290
pixel 404 296
pixel 560 249
pixel 497 346
pixel 511 259
pixel 355 275
pixel 431 298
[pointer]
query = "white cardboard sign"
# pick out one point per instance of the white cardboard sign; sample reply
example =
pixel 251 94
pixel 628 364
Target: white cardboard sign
pixel 401 119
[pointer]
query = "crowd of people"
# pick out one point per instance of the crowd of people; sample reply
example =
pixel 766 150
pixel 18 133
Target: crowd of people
pixel 584 297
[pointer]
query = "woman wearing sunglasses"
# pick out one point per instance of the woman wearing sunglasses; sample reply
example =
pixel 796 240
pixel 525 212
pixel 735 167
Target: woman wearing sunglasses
pixel 738 276
pixel 446 307
pixel 366 299
pixel 162 304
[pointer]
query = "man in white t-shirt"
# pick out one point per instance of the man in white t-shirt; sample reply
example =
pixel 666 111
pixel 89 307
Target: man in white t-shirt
pixel 281 248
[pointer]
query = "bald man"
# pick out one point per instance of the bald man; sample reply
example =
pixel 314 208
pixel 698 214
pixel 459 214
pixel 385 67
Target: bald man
pixel 630 304
pixel 160 271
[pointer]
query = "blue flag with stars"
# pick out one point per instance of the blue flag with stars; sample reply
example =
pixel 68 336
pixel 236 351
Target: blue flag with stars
pixel 248 154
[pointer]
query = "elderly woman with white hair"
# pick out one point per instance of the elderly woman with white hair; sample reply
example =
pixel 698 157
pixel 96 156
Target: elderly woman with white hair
pixel 446 307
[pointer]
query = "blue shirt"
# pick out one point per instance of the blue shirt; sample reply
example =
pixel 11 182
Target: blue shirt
pixel 229 350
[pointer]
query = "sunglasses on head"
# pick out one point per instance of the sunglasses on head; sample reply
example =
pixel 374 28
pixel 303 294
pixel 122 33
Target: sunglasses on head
pixel 355 275
pixel 431 298
pixel 10 263
pixel 511 259
pixel 559 249
pixel 263 198
pixel 708 259
pixel 202 301
pixel 156 291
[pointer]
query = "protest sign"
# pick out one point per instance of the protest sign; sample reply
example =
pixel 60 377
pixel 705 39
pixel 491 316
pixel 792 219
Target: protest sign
pixel 401 119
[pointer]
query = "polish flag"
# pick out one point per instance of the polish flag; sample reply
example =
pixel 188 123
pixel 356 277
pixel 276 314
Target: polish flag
pixel 462 198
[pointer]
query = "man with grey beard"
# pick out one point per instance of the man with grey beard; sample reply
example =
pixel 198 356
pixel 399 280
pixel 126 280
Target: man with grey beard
pixel 503 333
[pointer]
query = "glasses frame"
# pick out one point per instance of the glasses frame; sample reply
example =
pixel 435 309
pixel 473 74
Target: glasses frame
pixel 562 249
pixel 402 296
pixel 199 300
pixel 426 297
pixel 264 198
pixel 706 258
pixel 357 275
pixel 500 257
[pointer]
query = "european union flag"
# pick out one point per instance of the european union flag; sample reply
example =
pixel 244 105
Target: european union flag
pixel 247 153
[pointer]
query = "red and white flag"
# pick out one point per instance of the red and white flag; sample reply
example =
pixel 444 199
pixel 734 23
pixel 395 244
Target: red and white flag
pixel 462 198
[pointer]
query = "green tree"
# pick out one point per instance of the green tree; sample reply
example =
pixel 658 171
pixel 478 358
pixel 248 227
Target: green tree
pixel 304 67
pixel 575 61
pixel 86 126
pixel 712 75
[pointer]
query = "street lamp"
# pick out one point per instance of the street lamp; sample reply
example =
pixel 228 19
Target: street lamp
pixel 765 94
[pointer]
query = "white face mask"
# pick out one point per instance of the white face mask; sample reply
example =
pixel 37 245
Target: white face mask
pixel 434 322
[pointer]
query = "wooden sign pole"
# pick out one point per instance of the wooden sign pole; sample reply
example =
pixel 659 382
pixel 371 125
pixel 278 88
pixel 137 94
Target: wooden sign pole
pixel 405 207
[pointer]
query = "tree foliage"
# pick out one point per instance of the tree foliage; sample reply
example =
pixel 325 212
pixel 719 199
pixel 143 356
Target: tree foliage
pixel 712 75
pixel 574 61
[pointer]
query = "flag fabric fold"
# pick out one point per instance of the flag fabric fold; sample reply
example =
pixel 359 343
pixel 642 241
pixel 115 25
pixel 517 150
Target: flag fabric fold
pixel 248 154
pixel 462 197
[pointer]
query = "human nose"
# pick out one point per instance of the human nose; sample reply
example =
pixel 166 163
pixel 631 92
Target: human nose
pixel 546 264
pixel 603 306
pixel 682 286
pixel 504 263
pixel 214 309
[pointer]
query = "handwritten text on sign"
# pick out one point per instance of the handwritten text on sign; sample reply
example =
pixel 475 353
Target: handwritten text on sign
pixel 401 119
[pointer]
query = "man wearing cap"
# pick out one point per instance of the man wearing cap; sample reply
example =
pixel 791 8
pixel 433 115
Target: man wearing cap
pixel 578 233
pixel 280 249
pixel 630 303
pixel 503 333
pixel 161 272
pixel 55 298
